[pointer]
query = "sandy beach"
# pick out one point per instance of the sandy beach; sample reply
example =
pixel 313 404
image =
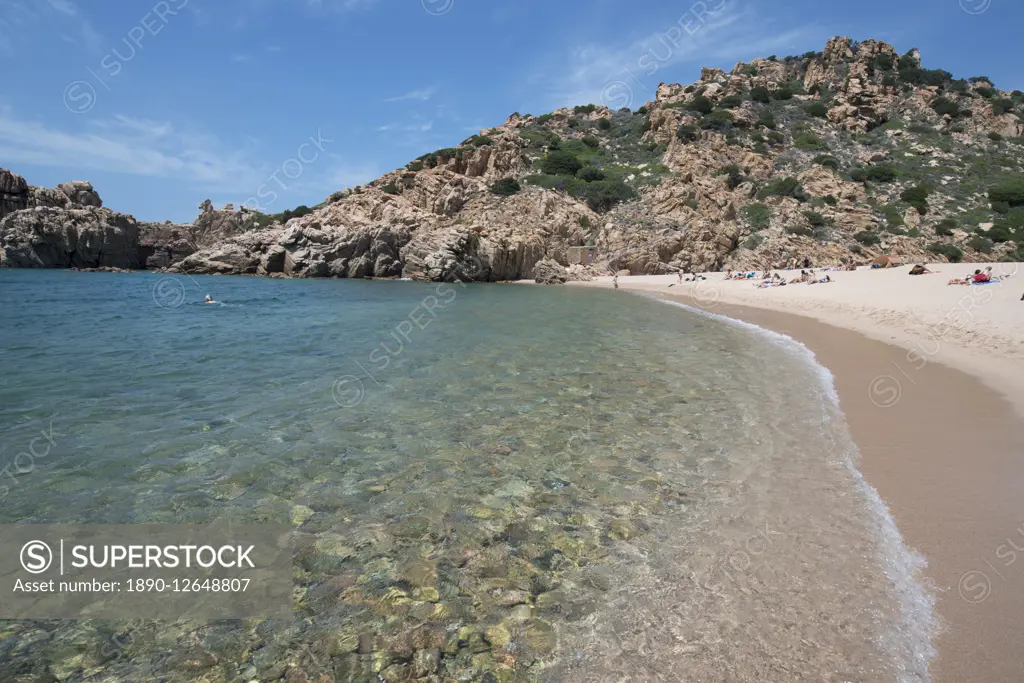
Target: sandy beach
pixel 931 379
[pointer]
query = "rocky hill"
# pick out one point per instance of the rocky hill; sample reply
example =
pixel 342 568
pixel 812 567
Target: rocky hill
pixel 840 156
pixel 67 227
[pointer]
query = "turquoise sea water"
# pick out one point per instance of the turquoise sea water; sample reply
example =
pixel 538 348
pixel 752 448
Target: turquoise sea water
pixel 494 483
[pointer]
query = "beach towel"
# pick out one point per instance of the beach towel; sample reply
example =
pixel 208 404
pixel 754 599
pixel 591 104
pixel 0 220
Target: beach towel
pixel 990 282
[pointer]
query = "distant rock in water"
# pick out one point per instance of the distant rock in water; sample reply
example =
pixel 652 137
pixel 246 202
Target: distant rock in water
pixel 62 227
pixel 47 237
pixel 67 227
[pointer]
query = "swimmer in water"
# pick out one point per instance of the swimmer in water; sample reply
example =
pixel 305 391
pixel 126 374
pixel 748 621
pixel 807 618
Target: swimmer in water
pixel 209 299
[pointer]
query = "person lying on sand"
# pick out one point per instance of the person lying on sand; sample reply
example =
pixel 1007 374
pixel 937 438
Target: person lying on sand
pixel 920 270
pixel 979 277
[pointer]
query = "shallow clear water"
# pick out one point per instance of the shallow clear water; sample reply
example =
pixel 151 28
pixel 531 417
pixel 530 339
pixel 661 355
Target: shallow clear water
pixel 528 483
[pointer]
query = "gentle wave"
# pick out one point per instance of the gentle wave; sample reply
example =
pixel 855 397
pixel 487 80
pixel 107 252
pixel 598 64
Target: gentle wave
pixel 903 566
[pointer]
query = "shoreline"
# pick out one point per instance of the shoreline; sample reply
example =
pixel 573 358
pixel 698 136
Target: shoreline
pixel 951 490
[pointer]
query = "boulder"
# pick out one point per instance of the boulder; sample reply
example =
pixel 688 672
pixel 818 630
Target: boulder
pixel 548 272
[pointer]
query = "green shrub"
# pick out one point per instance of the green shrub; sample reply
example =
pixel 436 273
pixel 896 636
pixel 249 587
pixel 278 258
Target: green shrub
pixel 760 94
pixel 758 216
pixel 815 219
pixel 817 109
pixel 700 104
pixel 980 243
pixel 584 109
pixel 1002 232
pixel 589 174
pixel 573 123
pixel 881 173
pixel 945 227
pixel 827 161
pixel 642 111
pixel 766 118
pixel 917 196
pixel 389 188
pixel 446 153
pixel 830 200
pixel 415 166
pixel 783 93
pixel 994 136
pixel 919 76
pixel 591 141
pixel 944 106
pixel 604 124
pixel 505 187
pixel 584 222
pixel 720 119
pixel 808 141
pixel 753 242
pixel 952 253
pixel 1002 106
pixel 884 62
pixel 735 174
pixel 987 93
pixel 730 101
pixel 288 214
pixel 602 195
pixel 480 140
pixel 867 238
pixel 1010 192
pixel 544 118
pixel 687 132
pixel 799 230
pixel 783 187
pixel 559 162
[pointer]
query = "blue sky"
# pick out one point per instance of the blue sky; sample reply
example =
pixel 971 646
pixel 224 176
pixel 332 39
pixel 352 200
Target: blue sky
pixel 163 104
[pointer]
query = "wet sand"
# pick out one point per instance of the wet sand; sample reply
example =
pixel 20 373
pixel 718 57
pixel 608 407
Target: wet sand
pixel 944 452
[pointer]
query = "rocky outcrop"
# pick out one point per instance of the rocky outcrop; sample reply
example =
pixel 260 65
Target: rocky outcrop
pixel 164 244
pixel 548 272
pixel 13 192
pixel 62 227
pixel 48 237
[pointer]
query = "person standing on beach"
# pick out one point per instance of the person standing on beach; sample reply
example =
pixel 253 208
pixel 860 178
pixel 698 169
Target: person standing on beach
pixel 615 281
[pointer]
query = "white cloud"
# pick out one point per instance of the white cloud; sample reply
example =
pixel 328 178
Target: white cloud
pixel 341 4
pixel 18 18
pixel 421 95
pixel 342 174
pixel 240 58
pixel 131 146
pixel 406 127
pixel 590 72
